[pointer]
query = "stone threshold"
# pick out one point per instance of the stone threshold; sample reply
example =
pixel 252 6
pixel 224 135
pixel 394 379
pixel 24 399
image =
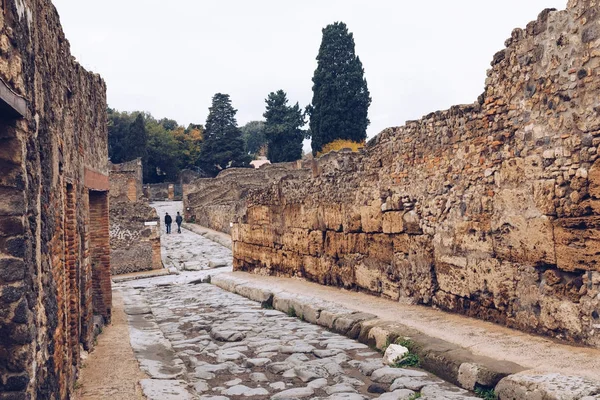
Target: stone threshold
pixel 358 316
pixel 140 275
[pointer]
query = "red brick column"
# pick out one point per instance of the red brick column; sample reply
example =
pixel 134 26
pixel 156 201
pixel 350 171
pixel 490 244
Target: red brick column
pixel 100 254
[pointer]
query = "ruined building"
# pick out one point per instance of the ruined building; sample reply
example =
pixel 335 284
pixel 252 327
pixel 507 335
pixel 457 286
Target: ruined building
pixel 491 209
pixel 134 225
pixel 213 202
pixel 54 229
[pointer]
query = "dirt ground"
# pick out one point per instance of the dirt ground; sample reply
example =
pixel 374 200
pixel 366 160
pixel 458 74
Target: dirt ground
pixel 111 371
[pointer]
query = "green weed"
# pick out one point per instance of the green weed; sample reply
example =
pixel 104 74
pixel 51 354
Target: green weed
pixel 486 393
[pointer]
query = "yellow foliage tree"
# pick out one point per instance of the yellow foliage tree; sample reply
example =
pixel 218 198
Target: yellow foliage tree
pixel 340 144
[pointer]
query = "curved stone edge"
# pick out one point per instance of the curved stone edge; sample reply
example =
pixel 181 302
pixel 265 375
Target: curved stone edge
pixel 446 360
pixel 218 237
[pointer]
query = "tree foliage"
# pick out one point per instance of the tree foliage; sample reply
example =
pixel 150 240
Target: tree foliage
pixel 341 98
pixel 223 146
pixel 283 128
pixel 255 141
pixel 165 147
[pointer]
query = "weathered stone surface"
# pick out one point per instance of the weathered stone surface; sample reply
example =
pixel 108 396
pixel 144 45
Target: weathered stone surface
pixel 134 225
pixel 55 288
pixel 467 209
pixel 550 386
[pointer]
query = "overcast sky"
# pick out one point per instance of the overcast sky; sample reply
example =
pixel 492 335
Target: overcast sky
pixel 170 57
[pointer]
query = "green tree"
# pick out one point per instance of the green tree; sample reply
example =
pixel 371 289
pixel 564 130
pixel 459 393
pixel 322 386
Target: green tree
pixel 223 146
pixel 283 128
pixel 341 98
pixel 253 134
pixel 137 139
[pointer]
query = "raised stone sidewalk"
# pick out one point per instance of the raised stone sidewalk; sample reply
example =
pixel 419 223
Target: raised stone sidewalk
pixel 464 351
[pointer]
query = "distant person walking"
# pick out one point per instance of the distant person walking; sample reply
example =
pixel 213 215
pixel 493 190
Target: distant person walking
pixel 168 222
pixel 179 220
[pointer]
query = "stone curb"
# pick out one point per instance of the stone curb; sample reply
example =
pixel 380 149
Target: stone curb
pixel 218 237
pixel 446 360
pixel 149 274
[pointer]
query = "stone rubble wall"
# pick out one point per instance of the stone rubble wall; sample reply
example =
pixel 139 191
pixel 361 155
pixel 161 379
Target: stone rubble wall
pixel 491 210
pixel 163 191
pixel 54 256
pixel 135 246
pixel 215 202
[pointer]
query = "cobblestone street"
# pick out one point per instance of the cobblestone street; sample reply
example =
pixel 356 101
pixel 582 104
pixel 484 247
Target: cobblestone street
pixel 195 340
pixel 199 341
pixel 188 251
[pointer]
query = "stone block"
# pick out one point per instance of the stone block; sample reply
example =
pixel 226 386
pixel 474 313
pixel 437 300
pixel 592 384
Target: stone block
pixel 258 215
pixel 393 222
pixel 12 202
pixel 333 217
pixel 12 269
pixel 578 243
pixel 371 217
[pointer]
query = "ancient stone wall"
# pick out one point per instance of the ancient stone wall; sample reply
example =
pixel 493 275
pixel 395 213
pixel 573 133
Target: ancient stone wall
pixel 54 253
pixel 490 210
pixel 215 202
pixel 164 191
pixel 134 225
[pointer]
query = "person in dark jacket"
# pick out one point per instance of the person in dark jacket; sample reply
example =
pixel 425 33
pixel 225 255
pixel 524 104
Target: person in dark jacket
pixel 179 220
pixel 168 222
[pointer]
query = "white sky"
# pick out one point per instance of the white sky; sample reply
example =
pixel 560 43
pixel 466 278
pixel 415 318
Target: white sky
pixel 169 57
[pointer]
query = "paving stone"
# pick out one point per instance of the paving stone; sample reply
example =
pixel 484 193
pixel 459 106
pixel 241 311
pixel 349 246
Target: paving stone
pixel 291 394
pixel 388 375
pixel 401 394
pixel 232 347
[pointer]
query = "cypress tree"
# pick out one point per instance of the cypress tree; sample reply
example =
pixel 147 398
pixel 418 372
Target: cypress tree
pixel 341 98
pixel 283 129
pixel 223 146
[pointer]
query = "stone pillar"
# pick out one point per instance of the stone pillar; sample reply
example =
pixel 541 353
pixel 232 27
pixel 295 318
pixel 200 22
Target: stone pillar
pixel 171 192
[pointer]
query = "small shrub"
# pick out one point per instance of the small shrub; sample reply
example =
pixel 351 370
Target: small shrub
pixel 405 342
pixel 78 385
pixel 486 393
pixel 292 312
pixel 409 360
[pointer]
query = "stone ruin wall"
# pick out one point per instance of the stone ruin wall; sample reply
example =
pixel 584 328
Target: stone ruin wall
pixel 164 191
pixel 134 225
pixel 215 202
pixel 491 210
pixel 54 250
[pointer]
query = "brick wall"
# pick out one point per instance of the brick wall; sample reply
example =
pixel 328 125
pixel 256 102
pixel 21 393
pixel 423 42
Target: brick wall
pixel 100 254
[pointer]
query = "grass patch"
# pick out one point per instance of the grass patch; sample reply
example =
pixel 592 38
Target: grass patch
pixel 409 360
pixel 415 396
pixel 486 393
pixel 292 312
pixel 77 385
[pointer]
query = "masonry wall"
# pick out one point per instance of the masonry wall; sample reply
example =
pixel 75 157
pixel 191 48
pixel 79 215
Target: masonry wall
pixel 215 202
pixel 134 225
pixel 54 255
pixel 491 210
pixel 163 191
